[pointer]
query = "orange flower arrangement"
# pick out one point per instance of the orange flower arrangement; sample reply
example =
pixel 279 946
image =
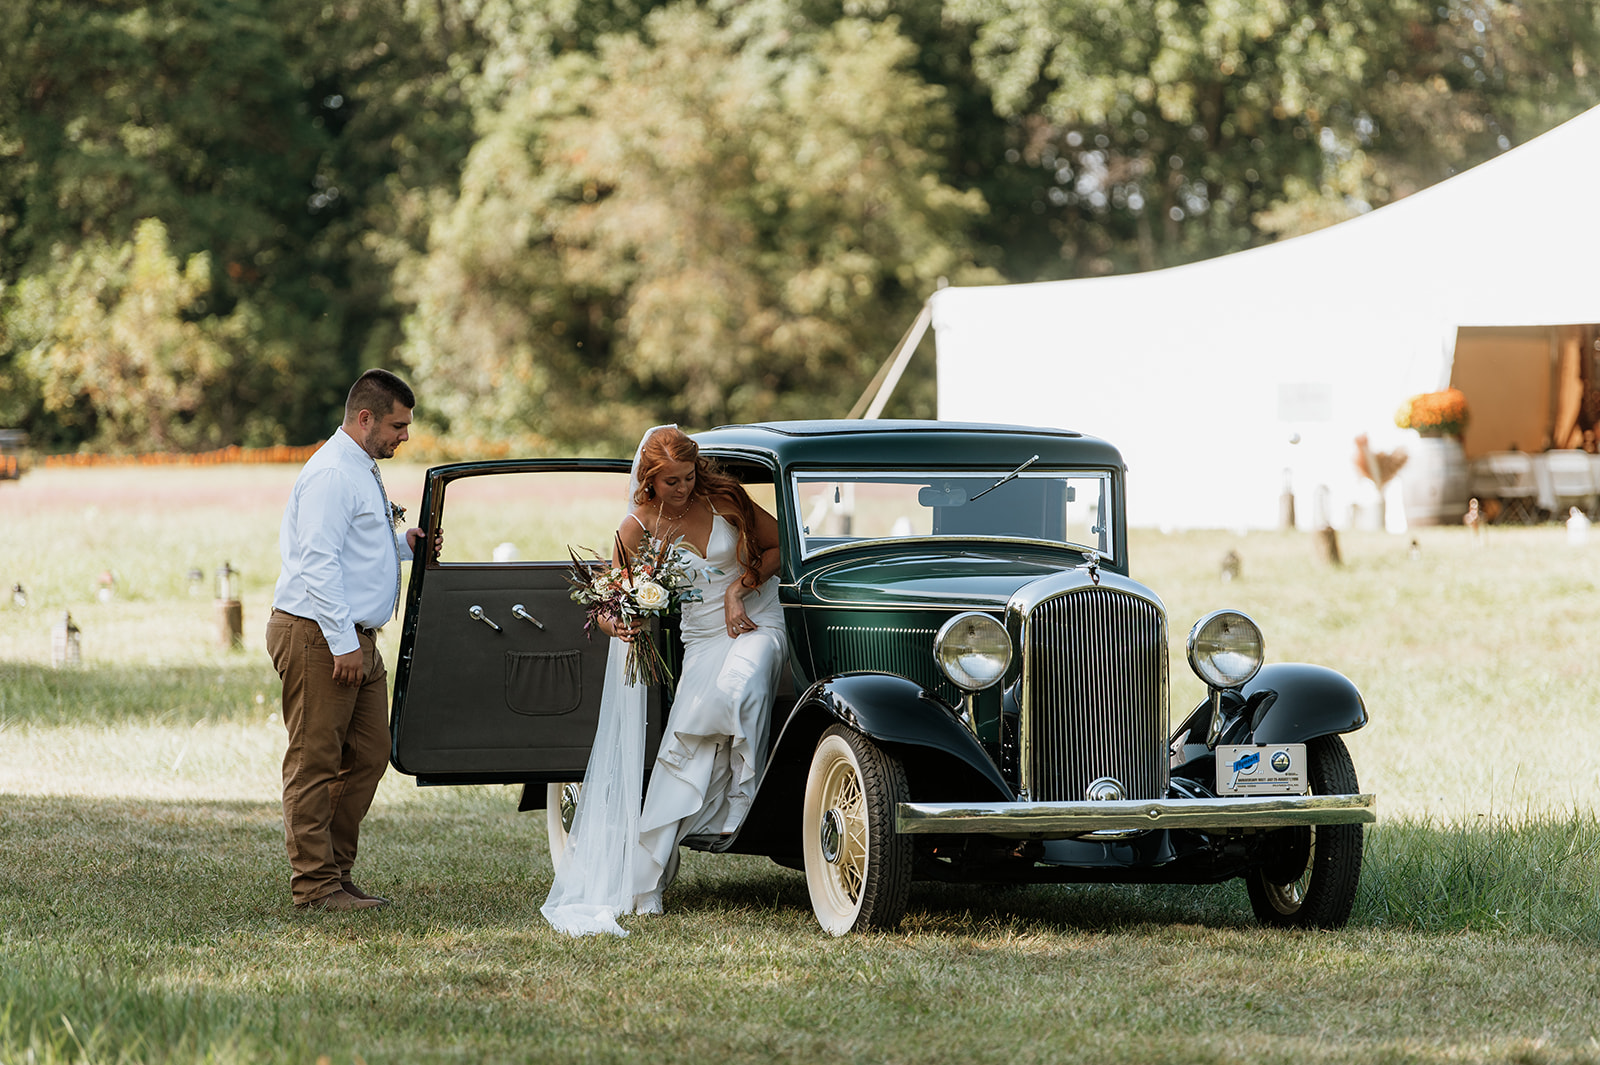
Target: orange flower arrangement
pixel 1434 413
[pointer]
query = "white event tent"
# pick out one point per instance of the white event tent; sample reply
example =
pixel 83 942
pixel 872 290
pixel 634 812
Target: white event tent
pixel 1223 381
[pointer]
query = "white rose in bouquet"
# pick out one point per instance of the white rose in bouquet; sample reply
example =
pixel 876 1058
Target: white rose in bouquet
pixel 650 596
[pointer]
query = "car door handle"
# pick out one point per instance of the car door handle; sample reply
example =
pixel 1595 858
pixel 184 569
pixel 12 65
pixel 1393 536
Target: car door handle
pixel 476 614
pixel 518 612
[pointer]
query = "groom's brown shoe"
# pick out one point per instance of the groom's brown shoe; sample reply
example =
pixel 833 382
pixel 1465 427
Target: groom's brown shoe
pixel 350 888
pixel 339 900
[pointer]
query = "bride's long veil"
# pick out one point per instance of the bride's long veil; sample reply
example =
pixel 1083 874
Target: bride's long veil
pixel 594 882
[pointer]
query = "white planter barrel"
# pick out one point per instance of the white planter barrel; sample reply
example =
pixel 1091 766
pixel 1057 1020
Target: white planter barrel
pixel 1433 481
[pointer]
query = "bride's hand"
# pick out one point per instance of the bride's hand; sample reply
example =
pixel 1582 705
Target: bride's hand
pixel 734 613
pixel 624 631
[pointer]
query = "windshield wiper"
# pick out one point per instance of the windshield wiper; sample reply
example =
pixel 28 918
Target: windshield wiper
pixel 1004 479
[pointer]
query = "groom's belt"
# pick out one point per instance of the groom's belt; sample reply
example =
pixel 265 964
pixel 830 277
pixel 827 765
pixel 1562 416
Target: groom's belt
pixel 361 630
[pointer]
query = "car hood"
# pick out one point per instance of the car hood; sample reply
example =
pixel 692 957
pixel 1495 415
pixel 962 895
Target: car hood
pixel 955 578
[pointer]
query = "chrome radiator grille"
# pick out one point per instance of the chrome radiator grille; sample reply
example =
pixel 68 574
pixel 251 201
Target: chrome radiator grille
pixel 1095 690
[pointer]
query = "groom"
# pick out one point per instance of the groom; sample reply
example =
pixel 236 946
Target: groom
pixel 339 582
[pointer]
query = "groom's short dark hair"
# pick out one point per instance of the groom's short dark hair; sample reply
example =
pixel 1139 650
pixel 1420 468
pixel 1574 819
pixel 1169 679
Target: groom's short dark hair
pixel 378 391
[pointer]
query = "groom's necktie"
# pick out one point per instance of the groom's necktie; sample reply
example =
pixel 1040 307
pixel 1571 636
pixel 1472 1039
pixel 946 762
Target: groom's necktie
pixel 388 518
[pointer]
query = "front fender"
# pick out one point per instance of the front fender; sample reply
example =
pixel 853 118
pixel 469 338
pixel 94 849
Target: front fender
pixel 942 760
pixel 940 755
pixel 1292 702
pixel 1289 702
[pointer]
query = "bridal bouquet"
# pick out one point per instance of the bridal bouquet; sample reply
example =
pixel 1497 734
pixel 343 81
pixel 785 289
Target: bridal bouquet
pixel 658 580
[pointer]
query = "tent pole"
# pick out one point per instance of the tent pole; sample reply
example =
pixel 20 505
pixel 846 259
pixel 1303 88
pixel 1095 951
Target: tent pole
pixel 872 401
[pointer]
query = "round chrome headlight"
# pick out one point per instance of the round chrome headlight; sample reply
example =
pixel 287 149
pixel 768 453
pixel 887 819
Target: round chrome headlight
pixel 1225 649
pixel 973 650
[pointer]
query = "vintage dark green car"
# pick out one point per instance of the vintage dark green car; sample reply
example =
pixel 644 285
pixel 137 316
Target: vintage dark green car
pixel 980 691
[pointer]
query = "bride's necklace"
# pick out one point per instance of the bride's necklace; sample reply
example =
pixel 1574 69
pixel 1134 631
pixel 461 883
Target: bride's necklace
pixel 667 524
pixel 661 513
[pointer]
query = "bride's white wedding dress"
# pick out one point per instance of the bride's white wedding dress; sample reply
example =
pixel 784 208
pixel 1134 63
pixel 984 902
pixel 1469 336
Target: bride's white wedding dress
pixel 714 743
pixel 712 749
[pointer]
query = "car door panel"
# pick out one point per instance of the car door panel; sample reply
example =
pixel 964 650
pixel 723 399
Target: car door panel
pixel 482 693
pixel 507 701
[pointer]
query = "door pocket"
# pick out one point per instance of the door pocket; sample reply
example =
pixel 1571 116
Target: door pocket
pixel 544 683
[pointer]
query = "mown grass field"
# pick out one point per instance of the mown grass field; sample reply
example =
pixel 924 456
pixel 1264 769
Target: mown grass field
pixel 144 914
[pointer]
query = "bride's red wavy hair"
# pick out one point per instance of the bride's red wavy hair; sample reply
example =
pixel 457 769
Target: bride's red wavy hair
pixel 726 494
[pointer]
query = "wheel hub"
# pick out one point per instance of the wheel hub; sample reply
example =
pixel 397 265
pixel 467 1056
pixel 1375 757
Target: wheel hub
pixel 830 832
pixel 569 805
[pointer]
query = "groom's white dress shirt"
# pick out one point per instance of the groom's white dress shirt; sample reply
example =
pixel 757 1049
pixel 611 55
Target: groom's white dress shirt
pixel 341 554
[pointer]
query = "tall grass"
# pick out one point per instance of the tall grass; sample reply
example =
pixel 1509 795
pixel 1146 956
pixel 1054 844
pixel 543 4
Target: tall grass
pixel 1535 875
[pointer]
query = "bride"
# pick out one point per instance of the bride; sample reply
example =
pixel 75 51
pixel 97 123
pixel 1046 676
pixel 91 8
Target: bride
pixel 620 858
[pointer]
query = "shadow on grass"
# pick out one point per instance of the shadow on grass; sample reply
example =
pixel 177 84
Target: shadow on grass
pixel 161 931
pixel 469 859
pixel 1536 876
pixel 973 909
pixel 38 695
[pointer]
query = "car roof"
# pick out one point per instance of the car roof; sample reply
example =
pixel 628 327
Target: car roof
pixel 865 442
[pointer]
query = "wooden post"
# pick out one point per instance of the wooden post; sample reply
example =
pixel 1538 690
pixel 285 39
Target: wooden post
pixel 1327 542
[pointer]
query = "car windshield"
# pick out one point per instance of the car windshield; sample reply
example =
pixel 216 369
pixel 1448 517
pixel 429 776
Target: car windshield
pixel 1070 507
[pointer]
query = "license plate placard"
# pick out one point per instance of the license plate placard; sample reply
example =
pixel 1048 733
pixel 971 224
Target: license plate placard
pixel 1264 769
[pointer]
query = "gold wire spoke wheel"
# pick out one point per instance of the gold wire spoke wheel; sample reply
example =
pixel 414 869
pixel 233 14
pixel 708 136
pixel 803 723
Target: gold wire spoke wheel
pixel 560 806
pixel 843 830
pixel 1288 898
pixel 858 868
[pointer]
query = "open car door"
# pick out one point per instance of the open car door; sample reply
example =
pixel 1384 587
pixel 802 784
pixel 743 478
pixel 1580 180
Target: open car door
pixel 497 682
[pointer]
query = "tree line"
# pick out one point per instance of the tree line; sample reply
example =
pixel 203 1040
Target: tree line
pixel 565 219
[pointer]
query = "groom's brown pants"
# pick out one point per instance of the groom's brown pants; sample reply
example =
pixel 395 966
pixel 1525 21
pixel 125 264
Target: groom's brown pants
pixel 338 751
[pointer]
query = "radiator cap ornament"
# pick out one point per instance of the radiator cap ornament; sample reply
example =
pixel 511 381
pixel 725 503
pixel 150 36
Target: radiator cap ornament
pixel 1106 789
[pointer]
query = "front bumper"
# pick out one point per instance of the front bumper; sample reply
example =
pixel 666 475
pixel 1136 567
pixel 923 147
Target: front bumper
pixel 1066 820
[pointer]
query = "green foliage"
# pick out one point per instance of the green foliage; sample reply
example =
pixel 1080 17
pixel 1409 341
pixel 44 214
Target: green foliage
pixel 174 695
pixel 709 220
pixel 1167 126
pixel 1531 875
pixel 126 117
pixel 223 121
pixel 705 210
pixel 115 350
pixel 1164 132
pixel 1469 79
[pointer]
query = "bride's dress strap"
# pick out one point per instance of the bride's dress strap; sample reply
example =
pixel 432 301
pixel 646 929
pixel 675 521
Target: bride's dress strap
pixel 641 524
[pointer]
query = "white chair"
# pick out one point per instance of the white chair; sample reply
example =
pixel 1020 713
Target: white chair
pixel 1512 482
pixel 1571 480
pixel 1481 482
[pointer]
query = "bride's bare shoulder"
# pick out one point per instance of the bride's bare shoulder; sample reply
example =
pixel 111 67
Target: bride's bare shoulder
pixel 634 523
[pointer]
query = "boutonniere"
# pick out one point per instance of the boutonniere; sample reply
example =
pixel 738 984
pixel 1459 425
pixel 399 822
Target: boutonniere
pixel 397 515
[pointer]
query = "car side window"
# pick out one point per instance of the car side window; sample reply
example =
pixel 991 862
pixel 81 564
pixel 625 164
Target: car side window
pixel 532 516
